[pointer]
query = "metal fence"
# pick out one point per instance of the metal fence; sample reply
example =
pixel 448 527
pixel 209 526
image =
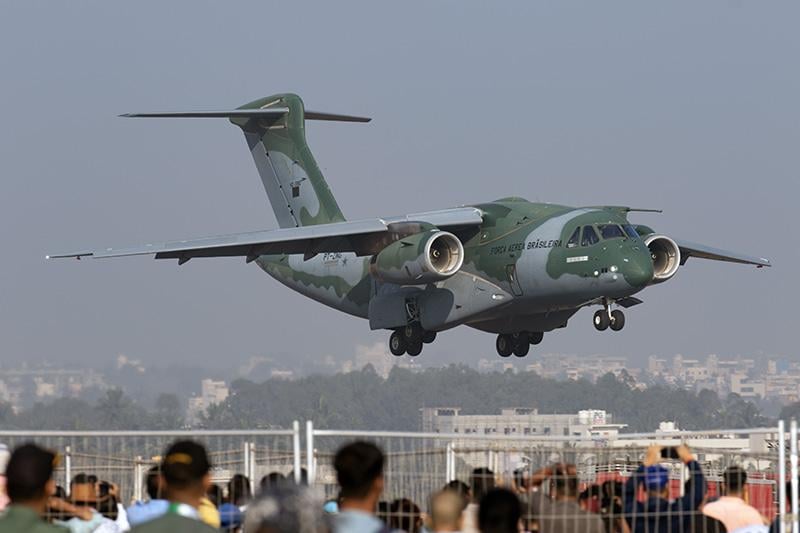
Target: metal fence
pixel 123 457
pixel 419 464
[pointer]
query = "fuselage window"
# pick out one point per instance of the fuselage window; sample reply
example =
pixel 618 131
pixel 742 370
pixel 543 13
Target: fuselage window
pixel 631 231
pixel 589 236
pixel 575 239
pixel 611 231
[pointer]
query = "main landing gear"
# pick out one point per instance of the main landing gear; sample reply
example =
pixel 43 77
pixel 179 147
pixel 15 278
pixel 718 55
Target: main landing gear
pixel 517 343
pixel 410 340
pixel 605 318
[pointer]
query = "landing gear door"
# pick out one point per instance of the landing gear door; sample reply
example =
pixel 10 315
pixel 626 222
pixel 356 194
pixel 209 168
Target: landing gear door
pixel 511 272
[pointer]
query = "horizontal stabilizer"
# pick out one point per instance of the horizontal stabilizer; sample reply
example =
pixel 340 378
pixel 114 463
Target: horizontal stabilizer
pixel 691 249
pixel 272 112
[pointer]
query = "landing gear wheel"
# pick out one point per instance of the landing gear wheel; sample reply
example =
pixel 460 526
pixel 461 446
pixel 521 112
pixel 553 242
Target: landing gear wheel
pixel 536 337
pixel 617 320
pixel 504 345
pixel 412 334
pixel 397 344
pixel 414 348
pixel 428 337
pixel 522 345
pixel 601 320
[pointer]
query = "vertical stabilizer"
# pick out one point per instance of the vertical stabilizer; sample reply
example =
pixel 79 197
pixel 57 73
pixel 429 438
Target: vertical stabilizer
pixel 296 188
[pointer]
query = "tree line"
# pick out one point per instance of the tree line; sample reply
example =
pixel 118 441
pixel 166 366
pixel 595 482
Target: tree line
pixel 365 400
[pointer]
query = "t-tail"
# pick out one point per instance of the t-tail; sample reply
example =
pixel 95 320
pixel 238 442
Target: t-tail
pixel 275 131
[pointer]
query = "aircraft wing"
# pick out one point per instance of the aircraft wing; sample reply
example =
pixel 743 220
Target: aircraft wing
pixel 363 237
pixel 690 249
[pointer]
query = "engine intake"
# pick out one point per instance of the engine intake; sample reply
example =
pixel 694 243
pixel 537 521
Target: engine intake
pixel 666 257
pixel 419 259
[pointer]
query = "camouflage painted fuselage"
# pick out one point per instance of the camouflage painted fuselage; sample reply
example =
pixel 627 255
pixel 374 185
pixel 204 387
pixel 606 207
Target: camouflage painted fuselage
pixel 520 271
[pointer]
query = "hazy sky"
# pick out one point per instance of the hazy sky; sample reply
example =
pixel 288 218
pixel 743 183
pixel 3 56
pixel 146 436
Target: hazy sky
pixel 691 107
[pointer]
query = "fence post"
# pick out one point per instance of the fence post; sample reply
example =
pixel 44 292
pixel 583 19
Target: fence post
pixel 312 475
pixel 253 463
pixel 296 451
pixel 246 458
pixel 793 459
pixel 450 474
pixel 67 468
pixel 137 479
pixel 781 477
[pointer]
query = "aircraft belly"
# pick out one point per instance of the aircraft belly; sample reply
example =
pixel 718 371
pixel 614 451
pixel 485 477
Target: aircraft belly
pixel 458 299
pixel 338 280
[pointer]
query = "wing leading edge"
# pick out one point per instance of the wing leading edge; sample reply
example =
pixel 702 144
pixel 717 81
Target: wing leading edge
pixel 362 237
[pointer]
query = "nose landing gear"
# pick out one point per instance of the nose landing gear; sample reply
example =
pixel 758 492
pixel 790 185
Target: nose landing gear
pixel 604 319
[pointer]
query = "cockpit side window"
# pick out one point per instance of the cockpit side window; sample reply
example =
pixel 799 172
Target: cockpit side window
pixel 575 239
pixel 631 231
pixel 589 236
pixel 611 231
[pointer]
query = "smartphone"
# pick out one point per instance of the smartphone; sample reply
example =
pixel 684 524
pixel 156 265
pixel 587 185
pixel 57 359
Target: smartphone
pixel 669 452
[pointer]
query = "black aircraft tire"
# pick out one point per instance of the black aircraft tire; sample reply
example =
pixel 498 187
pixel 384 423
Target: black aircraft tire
pixel 397 344
pixel 522 347
pixel 428 337
pixel 414 348
pixel 617 320
pixel 412 333
pixel 504 345
pixel 601 320
pixel 536 337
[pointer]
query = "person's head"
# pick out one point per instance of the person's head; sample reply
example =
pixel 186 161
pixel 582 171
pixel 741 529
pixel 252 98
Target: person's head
pixel 564 481
pixel 239 492
pixel 285 508
pixel 152 483
pixel 656 481
pixel 215 495
pixel 405 516
pixel 460 488
pixel 481 481
pixel 185 471
pixel 29 476
pixel 447 507
pixel 359 471
pixel 499 512
pixel 734 481
pixel 273 479
pixel 107 500
pixel 83 491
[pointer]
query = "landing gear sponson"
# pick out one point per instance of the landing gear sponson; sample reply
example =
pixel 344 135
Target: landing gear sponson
pixel 410 340
pixel 517 343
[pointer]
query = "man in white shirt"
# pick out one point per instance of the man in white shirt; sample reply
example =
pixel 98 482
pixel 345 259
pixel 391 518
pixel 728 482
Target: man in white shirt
pixel 732 509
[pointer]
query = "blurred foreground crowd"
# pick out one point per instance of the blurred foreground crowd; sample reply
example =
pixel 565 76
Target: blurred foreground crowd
pixel 182 498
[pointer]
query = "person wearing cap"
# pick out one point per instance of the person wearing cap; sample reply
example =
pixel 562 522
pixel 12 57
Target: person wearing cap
pixel 657 514
pixel 732 508
pixel 185 471
pixel 30 485
pixel 560 512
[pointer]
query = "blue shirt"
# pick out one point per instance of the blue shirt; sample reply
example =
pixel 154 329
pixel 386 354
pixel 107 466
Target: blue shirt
pixel 358 522
pixel 141 512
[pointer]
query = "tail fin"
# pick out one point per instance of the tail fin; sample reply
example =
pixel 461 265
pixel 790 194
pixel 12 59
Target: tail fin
pixel 275 131
pixel 294 183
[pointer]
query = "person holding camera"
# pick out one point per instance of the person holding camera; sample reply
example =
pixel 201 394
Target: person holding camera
pixel 658 514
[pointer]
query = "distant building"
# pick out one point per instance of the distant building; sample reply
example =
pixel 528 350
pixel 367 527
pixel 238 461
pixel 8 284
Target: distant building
pixel 211 392
pixel 519 421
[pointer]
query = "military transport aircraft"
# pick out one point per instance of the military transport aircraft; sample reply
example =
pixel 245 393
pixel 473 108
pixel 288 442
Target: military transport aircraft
pixel 510 267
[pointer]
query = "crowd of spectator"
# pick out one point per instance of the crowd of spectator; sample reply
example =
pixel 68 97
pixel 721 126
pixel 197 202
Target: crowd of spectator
pixel 181 497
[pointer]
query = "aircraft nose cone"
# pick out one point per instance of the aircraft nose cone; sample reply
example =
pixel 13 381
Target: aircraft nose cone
pixel 639 271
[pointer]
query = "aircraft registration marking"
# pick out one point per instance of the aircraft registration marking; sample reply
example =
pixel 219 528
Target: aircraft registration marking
pixel 578 259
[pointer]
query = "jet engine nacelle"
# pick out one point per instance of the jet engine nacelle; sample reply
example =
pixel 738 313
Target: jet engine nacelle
pixel 419 259
pixel 666 255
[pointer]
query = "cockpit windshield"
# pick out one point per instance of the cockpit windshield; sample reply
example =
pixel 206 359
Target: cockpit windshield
pixel 610 231
pixel 589 236
pixel 631 231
